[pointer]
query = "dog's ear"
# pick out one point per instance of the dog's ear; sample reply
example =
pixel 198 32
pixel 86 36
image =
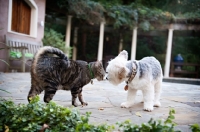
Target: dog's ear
pixel 122 73
pixel 124 54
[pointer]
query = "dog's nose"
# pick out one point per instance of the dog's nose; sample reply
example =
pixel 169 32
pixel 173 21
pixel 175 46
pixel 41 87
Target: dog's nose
pixel 106 78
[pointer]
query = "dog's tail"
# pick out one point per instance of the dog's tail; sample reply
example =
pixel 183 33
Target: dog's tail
pixel 48 50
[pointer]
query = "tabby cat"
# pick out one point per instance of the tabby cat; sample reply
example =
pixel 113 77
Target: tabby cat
pixel 52 73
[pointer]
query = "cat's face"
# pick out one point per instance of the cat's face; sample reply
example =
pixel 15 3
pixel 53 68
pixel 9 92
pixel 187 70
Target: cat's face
pixel 99 71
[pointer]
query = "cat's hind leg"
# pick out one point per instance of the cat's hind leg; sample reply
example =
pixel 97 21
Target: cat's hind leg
pixel 49 93
pixel 35 90
pixel 74 93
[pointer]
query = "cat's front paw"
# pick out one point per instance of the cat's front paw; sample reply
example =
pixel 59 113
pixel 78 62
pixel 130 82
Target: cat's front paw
pixel 74 104
pixel 126 104
pixel 84 103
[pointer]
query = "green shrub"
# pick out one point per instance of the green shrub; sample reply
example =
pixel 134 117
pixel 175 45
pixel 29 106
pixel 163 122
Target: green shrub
pixel 33 116
pixel 151 126
pixel 15 54
pixel 195 128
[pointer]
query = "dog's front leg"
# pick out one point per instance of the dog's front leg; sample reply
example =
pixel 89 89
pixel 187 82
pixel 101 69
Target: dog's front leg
pixel 158 89
pixel 148 97
pixel 130 98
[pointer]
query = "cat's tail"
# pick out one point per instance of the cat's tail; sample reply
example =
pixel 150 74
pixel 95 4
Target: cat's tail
pixel 48 50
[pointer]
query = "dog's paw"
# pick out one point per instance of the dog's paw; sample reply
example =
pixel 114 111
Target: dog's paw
pixel 148 107
pixel 157 104
pixel 126 104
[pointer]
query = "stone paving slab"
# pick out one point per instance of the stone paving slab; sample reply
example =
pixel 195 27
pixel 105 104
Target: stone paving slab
pixel 104 101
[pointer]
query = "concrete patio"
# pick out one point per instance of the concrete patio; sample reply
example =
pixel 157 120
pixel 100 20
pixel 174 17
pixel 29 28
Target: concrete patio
pixel 104 101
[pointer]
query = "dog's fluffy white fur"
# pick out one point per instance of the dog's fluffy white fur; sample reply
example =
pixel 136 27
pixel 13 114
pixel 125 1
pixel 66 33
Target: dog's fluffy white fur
pixel 148 78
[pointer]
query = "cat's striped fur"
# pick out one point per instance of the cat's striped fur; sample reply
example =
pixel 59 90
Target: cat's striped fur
pixel 53 73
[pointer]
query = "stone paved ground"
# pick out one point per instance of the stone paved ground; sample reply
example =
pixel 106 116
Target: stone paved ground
pixel 104 101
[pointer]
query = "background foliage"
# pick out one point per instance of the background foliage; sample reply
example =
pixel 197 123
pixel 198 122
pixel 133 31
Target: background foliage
pixel 131 12
pixel 121 16
pixel 115 12
pixel 55 39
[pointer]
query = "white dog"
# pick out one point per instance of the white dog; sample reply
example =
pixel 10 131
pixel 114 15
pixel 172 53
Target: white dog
pixel 145 74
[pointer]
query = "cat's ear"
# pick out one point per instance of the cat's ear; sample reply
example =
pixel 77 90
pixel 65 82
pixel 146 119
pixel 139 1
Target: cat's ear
pixel 97 63
pixel 121 73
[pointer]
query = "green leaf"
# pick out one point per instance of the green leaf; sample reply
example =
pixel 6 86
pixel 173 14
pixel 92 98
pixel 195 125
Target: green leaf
pixel 4 61
pixel 5 91
pixel 172 117
pixel 23 119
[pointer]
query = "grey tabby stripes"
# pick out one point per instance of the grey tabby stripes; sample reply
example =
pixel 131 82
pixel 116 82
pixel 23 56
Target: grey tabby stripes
pixel 52 73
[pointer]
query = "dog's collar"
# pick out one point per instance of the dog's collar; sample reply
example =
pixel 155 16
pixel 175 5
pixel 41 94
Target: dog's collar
pixel 91 72
pixel 133 72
